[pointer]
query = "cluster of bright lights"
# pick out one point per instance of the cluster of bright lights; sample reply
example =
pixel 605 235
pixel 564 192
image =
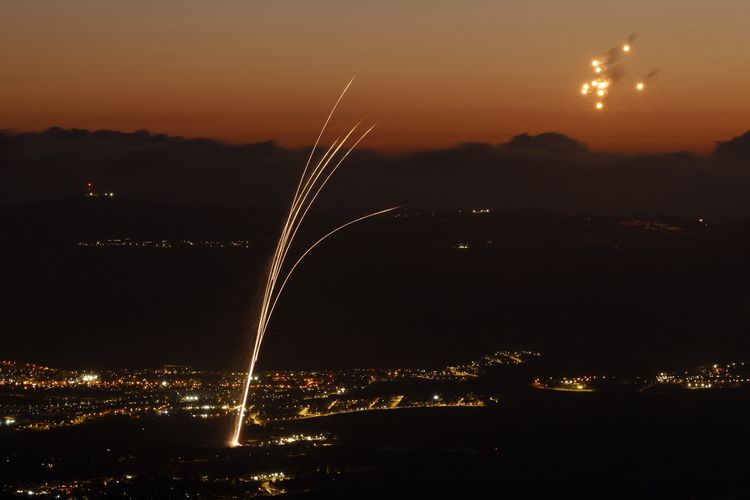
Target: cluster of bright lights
pixel 311 183
pixel 599 86
pixel 603 79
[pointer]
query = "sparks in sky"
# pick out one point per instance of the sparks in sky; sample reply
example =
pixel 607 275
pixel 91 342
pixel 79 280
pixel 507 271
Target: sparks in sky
pixel 607 76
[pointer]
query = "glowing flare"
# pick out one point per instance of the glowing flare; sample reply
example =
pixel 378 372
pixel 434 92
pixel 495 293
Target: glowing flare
pixel 602 84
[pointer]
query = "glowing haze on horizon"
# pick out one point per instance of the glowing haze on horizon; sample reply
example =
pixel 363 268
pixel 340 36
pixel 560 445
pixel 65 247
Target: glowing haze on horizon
pixel 432 73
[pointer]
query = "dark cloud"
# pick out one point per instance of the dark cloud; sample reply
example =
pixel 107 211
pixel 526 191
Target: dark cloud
pixel 546 171
pixel 58 162
pixel 548 141
pixel 736 150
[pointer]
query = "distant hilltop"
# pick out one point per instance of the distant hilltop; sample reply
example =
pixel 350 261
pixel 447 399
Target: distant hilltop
pixel 549 171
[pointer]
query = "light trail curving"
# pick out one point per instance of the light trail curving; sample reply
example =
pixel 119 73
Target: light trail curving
pixel 311 183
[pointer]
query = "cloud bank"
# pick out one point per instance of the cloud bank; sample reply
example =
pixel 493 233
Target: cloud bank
pixel 548 171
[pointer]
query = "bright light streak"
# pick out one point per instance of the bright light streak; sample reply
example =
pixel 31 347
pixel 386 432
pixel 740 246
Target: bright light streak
pixel 599 105
pixel 310 249
pixel 311 183
pixel 640 86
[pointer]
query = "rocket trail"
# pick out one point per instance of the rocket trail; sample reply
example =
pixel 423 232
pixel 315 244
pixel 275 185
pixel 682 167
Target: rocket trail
pixel 312 247
pixel 311 183
pixel 322 130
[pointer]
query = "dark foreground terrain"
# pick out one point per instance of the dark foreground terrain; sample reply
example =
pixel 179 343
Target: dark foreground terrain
pixel 535 444
pixel 124 283
pixel 631 293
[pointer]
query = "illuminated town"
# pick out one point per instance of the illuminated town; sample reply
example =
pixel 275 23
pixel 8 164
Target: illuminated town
pixel 136 243
pixel 36 398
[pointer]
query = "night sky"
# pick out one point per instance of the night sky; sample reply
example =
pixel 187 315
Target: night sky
pixel 433 73
pixel 168 105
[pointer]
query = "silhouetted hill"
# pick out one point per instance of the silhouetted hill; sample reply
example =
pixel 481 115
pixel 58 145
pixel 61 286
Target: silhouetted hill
pixel 548 171
pixel 426 287
pixel 737 149
pixel 550 141
pixel 70 220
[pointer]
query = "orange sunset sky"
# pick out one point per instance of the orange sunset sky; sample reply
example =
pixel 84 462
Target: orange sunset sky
pixel 432 73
